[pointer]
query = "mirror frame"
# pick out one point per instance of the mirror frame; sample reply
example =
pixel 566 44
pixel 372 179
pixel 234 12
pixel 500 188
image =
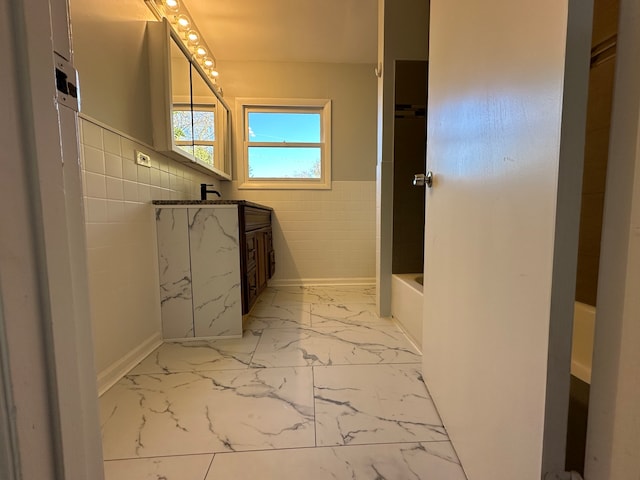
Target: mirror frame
pixel 160 35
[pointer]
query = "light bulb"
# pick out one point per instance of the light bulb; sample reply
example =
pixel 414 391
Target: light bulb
pixel 208 62
pixel 183 22
pixel 201 51
pixel 172 5
pixel 193 37
pixel 214 73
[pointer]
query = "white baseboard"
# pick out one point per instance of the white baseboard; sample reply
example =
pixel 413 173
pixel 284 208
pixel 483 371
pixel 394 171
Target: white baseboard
pixel 307 282
pixel 114 372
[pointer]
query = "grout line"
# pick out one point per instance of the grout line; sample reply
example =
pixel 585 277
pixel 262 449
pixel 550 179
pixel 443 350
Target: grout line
pixel 210 465
pixel 315 418
pixel 301 447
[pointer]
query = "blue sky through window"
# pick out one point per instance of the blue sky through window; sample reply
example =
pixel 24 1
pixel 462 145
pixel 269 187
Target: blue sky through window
pixel 284 127
pixel 279 161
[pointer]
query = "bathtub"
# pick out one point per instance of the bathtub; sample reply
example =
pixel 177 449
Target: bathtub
pixel 406 309
pixel 406 304
pixel 584 321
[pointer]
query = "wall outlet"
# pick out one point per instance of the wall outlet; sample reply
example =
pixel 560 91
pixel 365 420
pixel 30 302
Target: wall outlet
pixel 143 159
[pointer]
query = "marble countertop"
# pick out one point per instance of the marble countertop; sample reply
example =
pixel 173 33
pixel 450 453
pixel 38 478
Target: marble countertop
pixel 209 202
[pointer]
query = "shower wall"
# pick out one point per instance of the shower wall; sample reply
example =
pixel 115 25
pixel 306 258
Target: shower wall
pixel 410 128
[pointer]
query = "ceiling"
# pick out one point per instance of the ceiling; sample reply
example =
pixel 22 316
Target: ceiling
pixel 340 31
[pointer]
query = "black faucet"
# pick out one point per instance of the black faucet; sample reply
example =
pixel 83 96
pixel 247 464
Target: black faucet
pixel 204 191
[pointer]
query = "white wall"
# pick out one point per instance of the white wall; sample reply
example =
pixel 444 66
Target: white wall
pixel 47 363
pixel 614 414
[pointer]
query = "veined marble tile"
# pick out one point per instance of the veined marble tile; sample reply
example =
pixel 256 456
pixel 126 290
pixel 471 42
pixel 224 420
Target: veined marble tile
pixel 200 355
pixel 324 294
pixel 279 316
pixel 215 270
pixel 399 461
pixel 356 344
pixel 176 305
pixel 335 314
pixel 188 467
pixel 357 404
pixel 204 412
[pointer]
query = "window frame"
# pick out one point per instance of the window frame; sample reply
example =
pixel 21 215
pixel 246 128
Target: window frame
pixel 199 107
pixel 283 105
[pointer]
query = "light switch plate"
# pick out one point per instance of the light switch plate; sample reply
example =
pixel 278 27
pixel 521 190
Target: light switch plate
pixel 143 159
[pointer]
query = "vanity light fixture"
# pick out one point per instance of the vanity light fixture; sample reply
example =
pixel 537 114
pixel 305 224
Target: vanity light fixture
pixel 175 11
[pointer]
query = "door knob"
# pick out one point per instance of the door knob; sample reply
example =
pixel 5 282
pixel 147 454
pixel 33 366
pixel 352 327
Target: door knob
pixel 421 179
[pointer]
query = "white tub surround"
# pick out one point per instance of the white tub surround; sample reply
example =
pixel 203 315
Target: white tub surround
pixel 584 322
pixel 199 263
pixel 406 304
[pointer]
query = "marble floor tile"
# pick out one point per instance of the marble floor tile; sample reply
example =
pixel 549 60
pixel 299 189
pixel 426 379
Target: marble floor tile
pixel 324 294
pixel 356 344
pixel 400 461
pixel 200 355
pixel 357 404
pixel 187 467
pixel 279 316
pixel 204 412
pixel 336 314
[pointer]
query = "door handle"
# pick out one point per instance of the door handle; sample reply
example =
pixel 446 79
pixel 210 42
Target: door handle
pixel 421 179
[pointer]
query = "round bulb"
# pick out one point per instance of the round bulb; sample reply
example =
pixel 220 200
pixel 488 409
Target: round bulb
pixel 214 73
pixel 208 62
pixel 172 5
pixel 201 51
pixel 192 36
pixel 183 22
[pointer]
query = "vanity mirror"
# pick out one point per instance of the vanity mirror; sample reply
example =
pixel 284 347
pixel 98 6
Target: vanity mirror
pixel 190 120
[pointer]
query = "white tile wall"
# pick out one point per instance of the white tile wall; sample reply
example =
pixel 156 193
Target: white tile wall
pixel 322 235
pixel 121 237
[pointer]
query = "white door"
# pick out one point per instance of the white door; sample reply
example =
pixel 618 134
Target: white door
pixel 507 101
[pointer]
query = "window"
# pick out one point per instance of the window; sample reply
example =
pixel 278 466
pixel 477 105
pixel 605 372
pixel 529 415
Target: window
pixel 285 144
pixel 195 134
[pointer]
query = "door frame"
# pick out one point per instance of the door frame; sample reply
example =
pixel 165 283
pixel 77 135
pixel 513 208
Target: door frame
pixel 614 395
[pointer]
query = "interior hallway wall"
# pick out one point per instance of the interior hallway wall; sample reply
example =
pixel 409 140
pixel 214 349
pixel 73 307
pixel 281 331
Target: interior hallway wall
pixel 614 415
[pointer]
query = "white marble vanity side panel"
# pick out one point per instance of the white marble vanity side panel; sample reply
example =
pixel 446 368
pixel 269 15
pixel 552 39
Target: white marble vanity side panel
pixel 176 303
pixel 215 267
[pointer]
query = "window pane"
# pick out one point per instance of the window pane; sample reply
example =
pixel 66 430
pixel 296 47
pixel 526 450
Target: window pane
pixel 186 148
pixel 284 127
pixel 182 129
pixel 204 153
pixel 204 125
pixel 283 162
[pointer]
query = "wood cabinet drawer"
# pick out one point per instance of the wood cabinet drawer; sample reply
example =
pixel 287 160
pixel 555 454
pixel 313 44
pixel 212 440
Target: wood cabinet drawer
pixel 255 218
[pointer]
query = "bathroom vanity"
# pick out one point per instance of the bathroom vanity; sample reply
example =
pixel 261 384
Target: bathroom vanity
pixel 215 258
